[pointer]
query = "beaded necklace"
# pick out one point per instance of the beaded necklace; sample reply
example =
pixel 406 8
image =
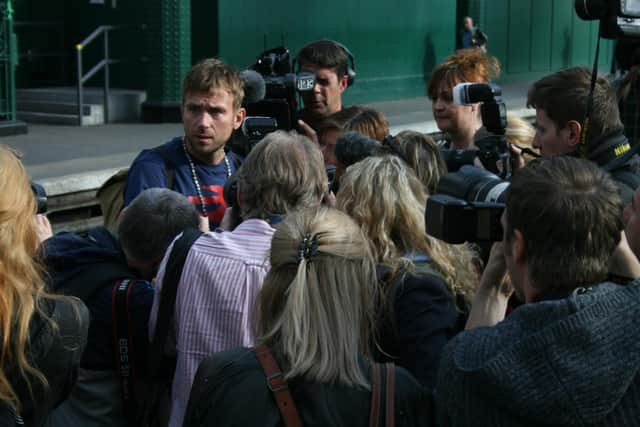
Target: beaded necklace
pixel 194 176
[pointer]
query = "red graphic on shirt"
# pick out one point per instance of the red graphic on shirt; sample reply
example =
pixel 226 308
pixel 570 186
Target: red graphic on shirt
pixel 214 202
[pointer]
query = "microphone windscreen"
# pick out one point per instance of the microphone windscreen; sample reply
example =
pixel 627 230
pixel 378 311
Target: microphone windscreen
pixel 351 147
pixel 255 88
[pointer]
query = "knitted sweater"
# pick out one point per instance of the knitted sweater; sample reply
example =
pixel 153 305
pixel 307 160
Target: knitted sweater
pixel 570 362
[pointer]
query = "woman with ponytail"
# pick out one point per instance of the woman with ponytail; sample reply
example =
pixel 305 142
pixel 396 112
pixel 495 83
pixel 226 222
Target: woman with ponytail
pixel 42 337
pixel 315 319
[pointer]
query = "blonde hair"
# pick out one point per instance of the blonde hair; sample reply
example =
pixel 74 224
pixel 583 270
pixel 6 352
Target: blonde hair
pixel 285 171
pixel 385 197
pixel 521 133
pixel 318 313
pixel 422 154
pixel 364 120
pixel 21 281
pixel 213 74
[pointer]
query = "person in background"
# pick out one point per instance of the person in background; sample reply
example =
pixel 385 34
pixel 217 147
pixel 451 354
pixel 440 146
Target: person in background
pixel 460 123
pixel 426 282
pixel 471 36
pixel 422 154
pixel 359 118
pixel 43 336
pixel 330 62
pixel 315 317
pixel 520 134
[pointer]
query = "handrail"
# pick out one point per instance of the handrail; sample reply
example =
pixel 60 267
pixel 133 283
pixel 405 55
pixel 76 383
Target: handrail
pixel 103 64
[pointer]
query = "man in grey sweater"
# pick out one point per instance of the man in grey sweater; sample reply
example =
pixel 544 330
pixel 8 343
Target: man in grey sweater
pixel 571 354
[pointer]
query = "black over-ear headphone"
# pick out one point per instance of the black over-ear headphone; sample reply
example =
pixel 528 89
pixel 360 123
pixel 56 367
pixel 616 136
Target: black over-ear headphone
pixel 351 66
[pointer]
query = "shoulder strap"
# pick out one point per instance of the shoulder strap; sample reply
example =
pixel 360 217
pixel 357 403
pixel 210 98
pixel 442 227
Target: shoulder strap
pixel 391 395
pixel 168 165
pixel 374 414
pixel 278 386
pixel 173 272
pixel 376 398
pixel 124 346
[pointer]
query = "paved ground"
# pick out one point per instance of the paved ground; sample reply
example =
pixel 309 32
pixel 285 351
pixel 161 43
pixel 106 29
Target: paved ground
pixel 55 151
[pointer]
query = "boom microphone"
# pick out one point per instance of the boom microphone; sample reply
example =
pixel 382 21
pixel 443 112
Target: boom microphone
pixel 255 88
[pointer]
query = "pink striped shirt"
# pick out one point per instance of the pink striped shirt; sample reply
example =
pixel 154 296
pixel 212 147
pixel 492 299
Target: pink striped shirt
pixel 222 275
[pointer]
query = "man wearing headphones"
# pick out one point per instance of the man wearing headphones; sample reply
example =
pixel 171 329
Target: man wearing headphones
pixel 334 67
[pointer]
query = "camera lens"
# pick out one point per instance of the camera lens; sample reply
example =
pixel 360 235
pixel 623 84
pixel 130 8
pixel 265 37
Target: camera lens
pixel 474 185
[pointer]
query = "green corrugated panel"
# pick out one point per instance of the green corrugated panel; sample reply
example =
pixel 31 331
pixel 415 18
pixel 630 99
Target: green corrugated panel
pixel 169 48
pixel 541 45
pixel 537 37
pixel 394 42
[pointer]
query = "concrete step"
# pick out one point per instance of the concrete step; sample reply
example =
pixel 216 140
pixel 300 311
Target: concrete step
pixel 56 107
pixel 58 119
pixel 124 104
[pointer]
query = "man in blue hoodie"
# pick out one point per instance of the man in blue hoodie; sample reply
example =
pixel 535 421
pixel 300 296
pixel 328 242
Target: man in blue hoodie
pixel 92 268
pixel 571 354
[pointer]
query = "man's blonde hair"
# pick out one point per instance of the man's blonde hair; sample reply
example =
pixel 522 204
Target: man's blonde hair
pixel 210 75
pixel 283 172
pixel 318 312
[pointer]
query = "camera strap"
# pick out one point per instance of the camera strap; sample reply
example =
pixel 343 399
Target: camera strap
pixel 587 119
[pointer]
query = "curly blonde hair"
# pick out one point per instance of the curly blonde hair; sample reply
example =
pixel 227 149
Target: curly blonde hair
pixel 21 277
pixel 423 155
pixel 388 201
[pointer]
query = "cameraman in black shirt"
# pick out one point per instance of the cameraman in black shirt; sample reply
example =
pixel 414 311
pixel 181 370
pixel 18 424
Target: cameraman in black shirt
pixel 560 100
pixel 334 67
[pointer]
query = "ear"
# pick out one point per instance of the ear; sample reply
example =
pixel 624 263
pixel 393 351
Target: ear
pixel 239 118
pixel 574 132
pixel 518 247
pixel 343 83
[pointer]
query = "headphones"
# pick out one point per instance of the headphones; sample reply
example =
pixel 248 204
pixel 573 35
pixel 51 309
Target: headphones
pixel 351 66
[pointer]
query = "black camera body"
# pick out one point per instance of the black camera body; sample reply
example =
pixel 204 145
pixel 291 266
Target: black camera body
pixel 493 150
pixel 282 88
pixel 457 221
pixel 618 18
pixel 467 207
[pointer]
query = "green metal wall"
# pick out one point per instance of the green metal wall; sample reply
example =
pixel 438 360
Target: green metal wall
pixel 396 44
pixel 536 37
pixel 393 42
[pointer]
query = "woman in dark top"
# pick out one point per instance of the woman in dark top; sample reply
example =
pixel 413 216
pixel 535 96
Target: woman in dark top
pixel 426 282
pixel 315 313
pixel 42 336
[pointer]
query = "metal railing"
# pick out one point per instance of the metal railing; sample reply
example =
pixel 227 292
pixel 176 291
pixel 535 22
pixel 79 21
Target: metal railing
pixel 104 63
pixel 8 62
